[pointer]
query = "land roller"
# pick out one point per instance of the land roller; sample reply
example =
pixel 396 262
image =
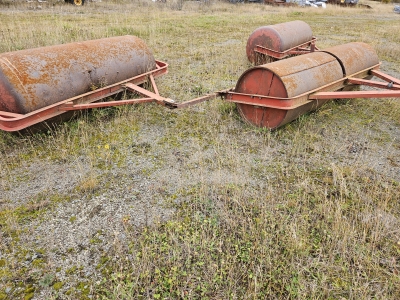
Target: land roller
pixel 274 94
pixel 36 78
pixel 274 42
pixel 42 83
pixel 38 84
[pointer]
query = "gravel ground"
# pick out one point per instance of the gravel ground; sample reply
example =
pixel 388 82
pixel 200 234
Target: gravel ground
pixel 79 232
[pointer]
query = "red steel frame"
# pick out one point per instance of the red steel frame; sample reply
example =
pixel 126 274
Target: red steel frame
pixel 390 89
pixel 14 122
pixel 304 48
pixel 391 85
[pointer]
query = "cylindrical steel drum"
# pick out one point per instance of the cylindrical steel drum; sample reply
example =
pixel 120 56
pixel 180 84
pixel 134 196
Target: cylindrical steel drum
pixel 34 78
pixel 285 79
pixel 279 37
pixel 354 57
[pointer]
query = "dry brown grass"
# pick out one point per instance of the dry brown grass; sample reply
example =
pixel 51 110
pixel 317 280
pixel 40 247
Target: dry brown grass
pixel 310 211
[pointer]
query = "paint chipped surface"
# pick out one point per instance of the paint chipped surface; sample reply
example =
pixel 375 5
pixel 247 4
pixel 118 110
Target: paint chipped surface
pixel 35 78
pixel 278 37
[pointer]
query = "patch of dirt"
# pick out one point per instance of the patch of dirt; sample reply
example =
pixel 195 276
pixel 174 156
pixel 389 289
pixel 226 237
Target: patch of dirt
pixel 32 180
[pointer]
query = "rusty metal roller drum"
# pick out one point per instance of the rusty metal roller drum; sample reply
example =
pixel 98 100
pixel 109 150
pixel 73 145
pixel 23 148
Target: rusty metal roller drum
pixel 35 78
pixel 285 79
pixel 354 57
pixel 278 37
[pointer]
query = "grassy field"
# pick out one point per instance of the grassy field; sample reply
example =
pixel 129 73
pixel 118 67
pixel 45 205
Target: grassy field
pixel 142 202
